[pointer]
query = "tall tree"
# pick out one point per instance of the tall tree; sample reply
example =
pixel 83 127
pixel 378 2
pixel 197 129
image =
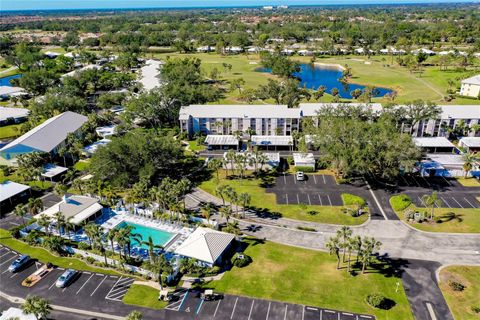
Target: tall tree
pixel 37 306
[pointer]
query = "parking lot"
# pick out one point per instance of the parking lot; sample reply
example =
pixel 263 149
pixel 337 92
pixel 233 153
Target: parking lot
pixel 315 190
pixel 87 288
pixel 236 307
pixel 435 183
pixel 449 200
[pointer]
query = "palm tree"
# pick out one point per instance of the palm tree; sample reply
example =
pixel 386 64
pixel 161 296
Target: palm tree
pixel 366 258
pixel 112 236
pixel 432 201
pixel 34 205
pixel 161 266
pixel 226 212
pixel 207 211
pixel 220 191
pixel 21 212
pixel 245 200
pixel 333 246
pixel 59 220
pixel 44 222
pixel 357 246
pixel 231 160
pixel 370 245
pixel 344 234
pixel 232 196
pixel 134 315
pixel 54 243
pixel 37 306
pixel 68 225
pixel 151 248
pixel 93 231
pixel 469 159
pixel 215 164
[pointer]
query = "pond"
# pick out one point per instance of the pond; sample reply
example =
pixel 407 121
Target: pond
pixel 5 81
pixel 313 76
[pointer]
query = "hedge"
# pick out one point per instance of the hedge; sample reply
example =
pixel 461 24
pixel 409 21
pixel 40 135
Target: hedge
pixel 304 169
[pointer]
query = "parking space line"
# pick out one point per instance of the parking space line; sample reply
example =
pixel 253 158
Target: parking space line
pixel 98 286
pixel 285 316
pixel 469 202
pixel 6 270
pixel 183 300
pixel 320 198
pixel 405 180
pixel 445 201
pixel 309 202
pixel 216 309
pixel 284 178
pixel 14 275
pixel 428 183
pixel 234 306
pixel 14 256
pixel 330 201
pixel 113 286
pixel 117 295
pixel 286 197
pixel 298 200
pixel 303 313
pixel 294 180
pixel 200 306
pixel 457 202
pixel 418 184
pixel 84 284
pixel 421 201
pixel 3 255
pixel 448 183
pixel 321 314
pixel 51 286
pixel 268 310
pixel 324 181
pixel 314 179
pixel 251 308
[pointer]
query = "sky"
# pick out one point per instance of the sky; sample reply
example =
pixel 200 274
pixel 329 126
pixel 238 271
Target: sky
pixel 120 4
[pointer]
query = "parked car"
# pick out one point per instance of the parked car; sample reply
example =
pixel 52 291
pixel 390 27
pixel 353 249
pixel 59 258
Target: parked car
pixel 209 295
pixel 66 277
pixel 19 263
pixel 300 176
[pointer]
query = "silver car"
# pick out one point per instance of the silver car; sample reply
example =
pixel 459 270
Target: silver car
pixel 300 176
pixel 66 277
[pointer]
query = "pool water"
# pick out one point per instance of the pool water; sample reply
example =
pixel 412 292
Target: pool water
pixel 5 81
pixel 159 237
pixel 313 76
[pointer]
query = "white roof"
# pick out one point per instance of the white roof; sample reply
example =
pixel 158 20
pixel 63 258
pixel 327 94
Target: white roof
pixel 239 111
pixel 106 131
pixel 205 244
pixel 471 142
pixel 51 133
pixel 473 80
pixel 432 142
pixel 9 189
pixel 310 109
pixel 272 140
pixel 303 157
pixel 51 170
pixel 78 208
pixel 149 74
pixel 6 112
pixel 16 313
pixel 10 91
pixel 447 159
pixel 74 72
pixel 221 140
pixel 91 149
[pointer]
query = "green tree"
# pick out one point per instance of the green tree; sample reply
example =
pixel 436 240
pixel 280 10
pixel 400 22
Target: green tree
pixel 20 211
pixel 343 235
pixel 431 201
pixel 469 160
pixel 37 306
pixel 333 246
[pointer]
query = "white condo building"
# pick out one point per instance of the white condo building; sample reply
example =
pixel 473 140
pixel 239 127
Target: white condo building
pixel 471 87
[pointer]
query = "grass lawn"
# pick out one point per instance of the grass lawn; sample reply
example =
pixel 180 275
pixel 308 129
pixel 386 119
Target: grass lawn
pixel 263 201
pixel 379 71
pixel 308 277
pixel 82 165
pixel 42 185
pixel 469 182
pixel 462 221
pixel 143 296
pixel 44 256
pixel 10 131
pixel 194 146
pixel 461 302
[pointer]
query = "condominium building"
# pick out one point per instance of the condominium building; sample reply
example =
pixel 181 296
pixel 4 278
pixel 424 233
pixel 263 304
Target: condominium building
pixel 278 120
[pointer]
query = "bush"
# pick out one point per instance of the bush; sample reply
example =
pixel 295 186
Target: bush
pixel 456 286
pixel 400 202
pixel 83 246
pixel 476 309
pixel 380 302
pixel 242 260
pixel 343 181
pixel 306 229
pixel 351 199
pixel 304 169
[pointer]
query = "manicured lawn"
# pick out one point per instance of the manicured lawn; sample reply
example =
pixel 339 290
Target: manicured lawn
pixel 469 182
pixel 10 131
pixel 308 277
pixel 262 200
pixel 82 165
pixel 43 185
pixel 378 71
pixel 461 302
pixel 461 221
pixel 44 256
pixel 194 146
pixel 143 296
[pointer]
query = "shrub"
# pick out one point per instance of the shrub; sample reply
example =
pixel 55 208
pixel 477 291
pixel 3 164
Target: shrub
pixel 380 302
pixel 242 260
pixel 400 202
pixel 312 212
pixel 351 199
pixel 456 286
pixel 304 169
pixel 306 229
pixel 90 260
pixel 343 181
pixel 476 309
pixel 83 246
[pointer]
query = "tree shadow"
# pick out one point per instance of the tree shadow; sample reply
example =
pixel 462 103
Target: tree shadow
pixel 265 213
pixel 449 216
pixel 389 267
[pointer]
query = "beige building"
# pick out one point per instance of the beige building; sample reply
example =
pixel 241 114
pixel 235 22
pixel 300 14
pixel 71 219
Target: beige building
pixel 471 87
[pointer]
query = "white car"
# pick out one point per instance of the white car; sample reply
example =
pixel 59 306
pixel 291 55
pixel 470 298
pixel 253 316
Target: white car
pixel 300 176
pixel 65 279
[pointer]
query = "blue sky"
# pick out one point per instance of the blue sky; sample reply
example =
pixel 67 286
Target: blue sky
pixel 105 4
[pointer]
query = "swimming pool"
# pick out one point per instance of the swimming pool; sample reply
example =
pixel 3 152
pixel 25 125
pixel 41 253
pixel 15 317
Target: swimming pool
pixel 159 237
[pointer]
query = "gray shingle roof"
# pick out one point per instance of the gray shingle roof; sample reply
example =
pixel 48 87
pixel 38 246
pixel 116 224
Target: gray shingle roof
pixel 51 133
